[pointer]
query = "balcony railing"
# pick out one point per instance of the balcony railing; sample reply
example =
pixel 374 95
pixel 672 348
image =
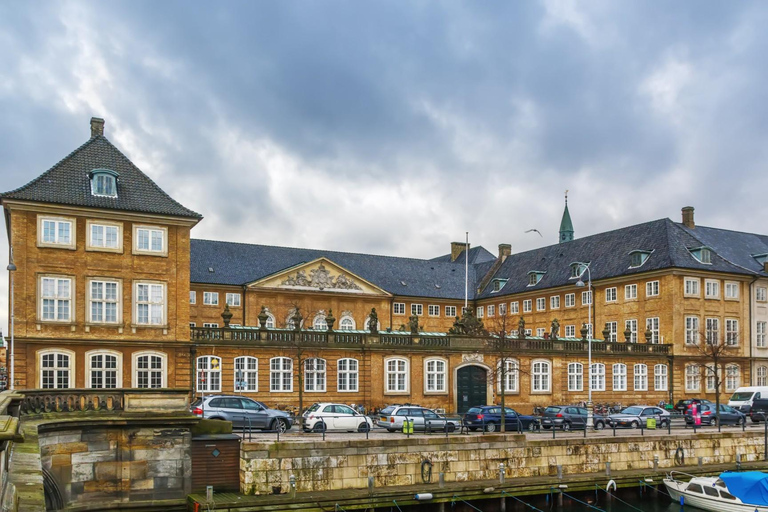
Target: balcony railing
pixel 41 401
pixel 256 336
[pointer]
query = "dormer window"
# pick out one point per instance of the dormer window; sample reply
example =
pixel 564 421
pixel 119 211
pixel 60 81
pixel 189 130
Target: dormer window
pixel 638 258
pixel 578 268
pixel 702 254
pixel 761 258
pixel 104 182
pixel 534 277
pixel 498 284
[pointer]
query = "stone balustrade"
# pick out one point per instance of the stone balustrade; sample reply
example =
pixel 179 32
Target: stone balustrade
pixel 43 401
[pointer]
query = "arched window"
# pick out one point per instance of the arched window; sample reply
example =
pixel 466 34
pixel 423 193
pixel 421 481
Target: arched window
pixel 597 377
pixel 319 323
pixel 314 375
pixel 434 375
pixel 104 182
pixel 575 377
pixel 270 320
pixel 660 379
pixel 541 376
pixel 511 375
pixel 347 376
pixel 280 374
pixel 692 377
pixel 149 370
pixel 208 373
pixel 762 375
pixel 290 323
pixel 246 373
pixel 347 323
pixel 57 366
pixel 105 369
pixel 641 377
pixel 732 377
pixel 396 375
pixel 619 377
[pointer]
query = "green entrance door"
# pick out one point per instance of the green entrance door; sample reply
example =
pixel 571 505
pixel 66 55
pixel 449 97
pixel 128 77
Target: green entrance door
pixel 471 387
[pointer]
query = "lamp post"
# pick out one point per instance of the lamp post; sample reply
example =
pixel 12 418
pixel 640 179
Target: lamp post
pixel 580 283
pixel 11 270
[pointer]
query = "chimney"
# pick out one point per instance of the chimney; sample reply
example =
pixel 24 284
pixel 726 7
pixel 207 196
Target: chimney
pixel 765 266
pixel 456 249
pixel 504 251
pixel 688 217
pixel 97 127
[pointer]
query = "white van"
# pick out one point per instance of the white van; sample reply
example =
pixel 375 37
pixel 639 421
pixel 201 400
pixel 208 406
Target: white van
pixel 742 398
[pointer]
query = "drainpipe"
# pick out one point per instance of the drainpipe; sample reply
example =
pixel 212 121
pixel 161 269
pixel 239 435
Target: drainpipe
pixel 751 354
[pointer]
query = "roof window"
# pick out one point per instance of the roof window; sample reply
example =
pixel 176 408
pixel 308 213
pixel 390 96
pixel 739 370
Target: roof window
pixel 577 269
pixel 702 254
pixel 761 258
pixel 498 284
pixel 534 277
pixel 638 258
pixel 104 182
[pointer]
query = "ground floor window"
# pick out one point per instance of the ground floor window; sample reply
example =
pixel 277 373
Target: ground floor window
pixel 619 377
pixel 396 375
pixel 732 377
pixel 208 373
pixel 149 370
pixel 541 376
pixel 347 374
pixel 641 377
pixel 314 375
pixel 692 377
pixel 280 374
pixel 246 373
pixel 104 370
pixel 575 377
pixel 762 376
pixel 660 379
pixel 597 377
pixel 56 368
pixel 435 376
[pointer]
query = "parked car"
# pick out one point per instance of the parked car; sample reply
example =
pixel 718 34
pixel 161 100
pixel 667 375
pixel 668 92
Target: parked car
pixel 568 417
pixel 759 410
pixel 488 418
pixel 242 412
pixel 683 405
pixel 637 415
pixel 728 415
pixel 743 397
pixel 327 416
pixel 393 417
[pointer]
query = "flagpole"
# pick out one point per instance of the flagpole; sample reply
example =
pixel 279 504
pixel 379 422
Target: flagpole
pixel 466 272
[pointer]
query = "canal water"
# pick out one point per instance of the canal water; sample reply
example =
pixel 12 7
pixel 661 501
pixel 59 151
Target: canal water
pixel 623 500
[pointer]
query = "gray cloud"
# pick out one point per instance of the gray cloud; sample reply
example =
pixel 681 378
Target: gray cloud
pixel 393 128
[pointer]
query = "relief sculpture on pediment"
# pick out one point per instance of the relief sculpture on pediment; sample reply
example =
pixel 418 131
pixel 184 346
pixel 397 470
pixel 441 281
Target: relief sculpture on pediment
pixel 321 279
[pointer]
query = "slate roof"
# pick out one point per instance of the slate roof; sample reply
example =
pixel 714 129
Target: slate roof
pixel 68 182
pixel 238 264
pixel 608 256
pixel 477 254
pixel 735 246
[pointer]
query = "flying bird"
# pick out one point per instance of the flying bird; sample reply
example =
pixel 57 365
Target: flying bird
pixel 535 230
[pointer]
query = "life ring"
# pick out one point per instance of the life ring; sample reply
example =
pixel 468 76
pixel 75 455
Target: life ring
pixel 611 483
pixel 679 456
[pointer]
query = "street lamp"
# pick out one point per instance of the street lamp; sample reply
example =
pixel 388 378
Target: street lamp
pixel 580 283
pixel 11 270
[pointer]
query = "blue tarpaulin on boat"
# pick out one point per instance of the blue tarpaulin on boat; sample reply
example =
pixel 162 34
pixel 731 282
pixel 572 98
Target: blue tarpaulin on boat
pixel 750 487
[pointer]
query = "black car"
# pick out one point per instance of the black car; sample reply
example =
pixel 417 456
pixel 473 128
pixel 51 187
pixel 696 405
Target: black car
pixel 728 415
pixel 569 417
pixel 488 418
pixel 685 404
pixel 759 410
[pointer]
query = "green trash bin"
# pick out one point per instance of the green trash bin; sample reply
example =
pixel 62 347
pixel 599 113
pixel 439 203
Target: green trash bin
pixel 650 423
pixel 408 427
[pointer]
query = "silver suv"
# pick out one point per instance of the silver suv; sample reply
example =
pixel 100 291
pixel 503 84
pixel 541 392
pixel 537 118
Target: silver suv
pixel 242 412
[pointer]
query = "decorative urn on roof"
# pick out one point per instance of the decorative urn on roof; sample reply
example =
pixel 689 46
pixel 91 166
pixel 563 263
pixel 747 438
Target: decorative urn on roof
pixel 263 317
pixel 330 319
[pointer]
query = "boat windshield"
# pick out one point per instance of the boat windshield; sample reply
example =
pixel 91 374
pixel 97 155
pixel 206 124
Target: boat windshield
pixel 742 396
pixel 719 483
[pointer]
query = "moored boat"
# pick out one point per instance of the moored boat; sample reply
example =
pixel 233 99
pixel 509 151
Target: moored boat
pixel 729 492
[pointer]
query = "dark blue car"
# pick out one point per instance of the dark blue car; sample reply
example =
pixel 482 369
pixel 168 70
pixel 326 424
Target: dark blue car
pixel 488 418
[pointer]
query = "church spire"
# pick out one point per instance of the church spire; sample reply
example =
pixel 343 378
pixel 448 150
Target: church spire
pixel 566 226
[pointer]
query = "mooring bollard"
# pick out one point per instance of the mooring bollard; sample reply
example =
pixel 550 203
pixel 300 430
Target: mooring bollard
pixel 655 462
pixel 559 471
pixel 441 479
pixel 292 484
pixel 701 461
pixel 370 485
pixel 607 469
pixel 738 461
pixel 501 473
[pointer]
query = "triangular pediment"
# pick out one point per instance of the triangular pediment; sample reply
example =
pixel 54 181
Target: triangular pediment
pixel 319 275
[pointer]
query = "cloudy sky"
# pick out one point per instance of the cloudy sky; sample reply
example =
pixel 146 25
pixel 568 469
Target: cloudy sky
pixel 394 127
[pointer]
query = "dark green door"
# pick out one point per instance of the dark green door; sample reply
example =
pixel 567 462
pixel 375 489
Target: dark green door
pixel 471 387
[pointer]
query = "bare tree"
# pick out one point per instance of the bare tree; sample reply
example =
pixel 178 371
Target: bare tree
pixel 715 350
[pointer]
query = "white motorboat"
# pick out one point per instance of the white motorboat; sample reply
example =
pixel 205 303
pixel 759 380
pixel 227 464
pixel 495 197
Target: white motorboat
pixel 729 492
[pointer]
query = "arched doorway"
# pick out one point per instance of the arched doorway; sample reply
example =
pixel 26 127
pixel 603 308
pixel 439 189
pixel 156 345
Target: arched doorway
pixel 471 387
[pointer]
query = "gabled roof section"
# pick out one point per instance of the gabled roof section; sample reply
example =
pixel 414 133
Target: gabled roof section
pixel 68 183
pixel 736 247
pixel 215 262
pixel 477 255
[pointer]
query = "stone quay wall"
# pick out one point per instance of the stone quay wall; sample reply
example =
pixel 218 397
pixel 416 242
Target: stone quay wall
pixel 331 465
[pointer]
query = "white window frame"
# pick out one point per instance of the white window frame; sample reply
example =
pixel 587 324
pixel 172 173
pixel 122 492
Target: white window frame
pixel 732 377
pixel 90 300
pixel 417 309
pixel 511 375
pixel 631 323
pixel 503 309
pixel 554 302
pixel 640 372
pixel 527 306
pixel 450 311
pixel 480 311
pixel 163 304
pixel 398 308
pixel 491 310
pixel 435 376
pixel 315 375
pixel 281 375
pixel 692 287
pixel 652 289
pixel 208 373
pixel 712 326
pixel 57 298
pixel 570 300
pixel 575 377
pixel 90 370
pixel 347 379
pixel 541 331
pixel 106 176
pixel 692 326
pixel 90 225
pixel 652 324
pixel 541 304
pixel 630 292
pixel 163 369
pixel 586 298
pixel 711 288
pixel 731 290
pixel 233 300
pixel 271 322
pixel 613 329
pixel 541 376
pixel 71 244
pixel 247 368
pixel 211 325
pixel 70 368
pixel 732 332
pixel 347 323
pixel 433 310
pixel 192 297
pixel 151 233
pixel 570 331
pixel 761 375
pixel 210 298
pixel 319 323
pixel 761 294
pixel 692 377
pixel 597 377
pixel 660 377
pixel 514 307
pixel 761 328
pixel 611 294
pixel 619 377
pixel 709 378
pixel 397 375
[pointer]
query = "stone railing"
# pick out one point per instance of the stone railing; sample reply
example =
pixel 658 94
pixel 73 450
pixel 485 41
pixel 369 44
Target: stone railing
pixel 253 335
pixel 43 401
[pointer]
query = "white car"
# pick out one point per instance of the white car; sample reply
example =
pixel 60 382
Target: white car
pixel 334 417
